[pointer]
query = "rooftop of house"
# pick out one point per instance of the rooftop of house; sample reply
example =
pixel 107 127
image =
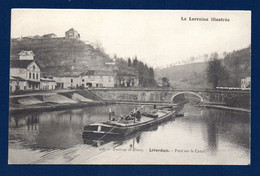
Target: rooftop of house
pixel 71 29
pixel 99 73
pixel 47 80
pixel 127 73
pixel 26 53
pixel 49 34
pixel 22 63
pixel 68 74
pixel 16 78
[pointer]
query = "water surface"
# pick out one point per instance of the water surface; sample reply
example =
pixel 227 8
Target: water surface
pixel 202 136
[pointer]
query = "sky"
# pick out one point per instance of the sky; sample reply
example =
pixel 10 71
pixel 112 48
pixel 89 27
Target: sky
pixel 157 37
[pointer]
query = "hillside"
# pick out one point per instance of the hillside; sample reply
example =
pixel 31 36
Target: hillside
pixel 238 64
pixel 59 55
pixel 193 75
pixel 184 76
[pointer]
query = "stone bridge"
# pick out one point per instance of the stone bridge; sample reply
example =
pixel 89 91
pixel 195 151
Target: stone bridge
pixel 164 95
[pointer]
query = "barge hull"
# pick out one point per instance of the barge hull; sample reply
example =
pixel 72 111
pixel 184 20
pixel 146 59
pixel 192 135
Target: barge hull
pixel 117 132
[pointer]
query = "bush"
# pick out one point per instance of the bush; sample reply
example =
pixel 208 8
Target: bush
pixel 238 100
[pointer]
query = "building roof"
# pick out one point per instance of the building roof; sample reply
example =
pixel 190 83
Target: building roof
pixel 33 81
pixel 98 73
pixel 46 35
pixel 26 53
pixel 47 80
pixel 20 63
pixel 50 34
pixel 67 74
pixel 89 73
pixel 16 78
pixel 71 29
pixel 126 73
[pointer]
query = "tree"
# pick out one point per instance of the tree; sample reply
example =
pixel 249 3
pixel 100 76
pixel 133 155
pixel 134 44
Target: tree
pixel 216 72
pixel 133 67
pixel 165 82
pixel 129 62
pixel 135 61
pixel 99 46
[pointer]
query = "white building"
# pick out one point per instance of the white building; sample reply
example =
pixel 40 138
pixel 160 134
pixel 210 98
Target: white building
pixel 67 80
pixel 246 82
pixel 26 55
pixel 98 78
pixel 26 68
pixel 17 83
pixel 127 79
pixel 47 84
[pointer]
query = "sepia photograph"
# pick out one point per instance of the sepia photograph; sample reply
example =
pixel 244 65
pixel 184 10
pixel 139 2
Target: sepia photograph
pixel 130 87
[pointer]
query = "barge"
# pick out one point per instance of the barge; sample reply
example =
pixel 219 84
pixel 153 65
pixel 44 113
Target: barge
pixel 135 121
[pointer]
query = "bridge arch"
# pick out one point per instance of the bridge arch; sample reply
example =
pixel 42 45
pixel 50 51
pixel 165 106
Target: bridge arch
pixel 186 92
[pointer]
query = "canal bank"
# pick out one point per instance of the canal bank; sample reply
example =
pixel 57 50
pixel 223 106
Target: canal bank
pixel 223 107
pixel 54 100
pixel 67 99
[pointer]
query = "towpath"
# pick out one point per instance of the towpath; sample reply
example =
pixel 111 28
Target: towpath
pixel 52 92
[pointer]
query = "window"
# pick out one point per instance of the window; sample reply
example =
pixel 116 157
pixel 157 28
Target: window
pixel 33 75
pixel 82 80
pixel 71 80
pixel 36 75
pixel 30 75
pixel 29 85
pixel 34 67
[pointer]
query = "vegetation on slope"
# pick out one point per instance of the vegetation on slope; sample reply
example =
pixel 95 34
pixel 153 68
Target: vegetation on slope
pixel 184 76
pixel 237 65
pixel 143 71
pixel 61 55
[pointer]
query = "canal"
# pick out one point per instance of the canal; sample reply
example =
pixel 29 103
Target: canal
pixel 202 136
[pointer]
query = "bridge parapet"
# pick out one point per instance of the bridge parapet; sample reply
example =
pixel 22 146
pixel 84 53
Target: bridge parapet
pixel 163 95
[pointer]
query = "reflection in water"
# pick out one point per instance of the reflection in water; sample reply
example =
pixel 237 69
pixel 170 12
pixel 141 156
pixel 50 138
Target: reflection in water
pixel 32 122
pixel 221 134
pixel 234 126
pixel 138 138
pixel 58 129
pixel 212 136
